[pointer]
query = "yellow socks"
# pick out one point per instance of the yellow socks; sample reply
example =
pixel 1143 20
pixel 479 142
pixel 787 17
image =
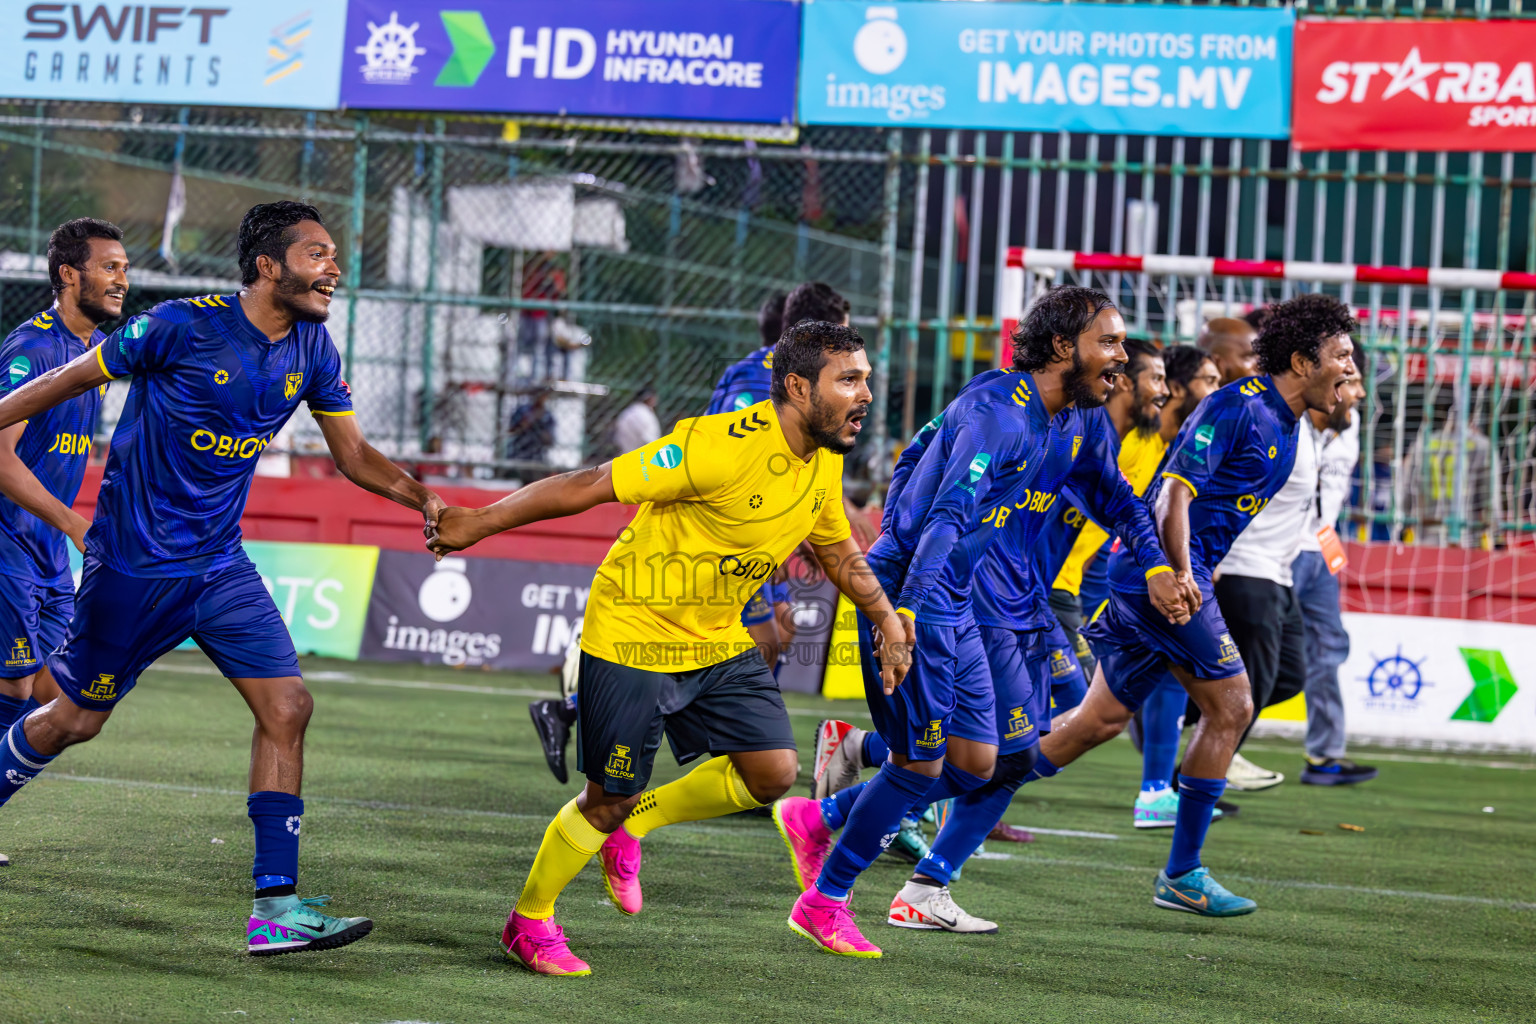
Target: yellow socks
pixel 568 844
pixel 710 790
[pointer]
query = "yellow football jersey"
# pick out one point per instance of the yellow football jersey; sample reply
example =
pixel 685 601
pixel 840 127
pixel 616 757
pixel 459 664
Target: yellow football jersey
pixel 723 501
pixel 1140 455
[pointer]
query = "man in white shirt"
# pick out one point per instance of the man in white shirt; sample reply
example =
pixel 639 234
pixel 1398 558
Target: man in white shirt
pixel 637 426
pixel 1335 441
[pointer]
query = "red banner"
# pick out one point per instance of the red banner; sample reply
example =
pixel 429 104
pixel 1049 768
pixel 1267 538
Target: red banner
pixel 1414 85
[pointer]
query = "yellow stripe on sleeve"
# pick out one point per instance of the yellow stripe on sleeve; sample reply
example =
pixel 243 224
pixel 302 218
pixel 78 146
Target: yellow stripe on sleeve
pixel 1158 570
pixel 101 362
pixel 323 412
pixel 1192 489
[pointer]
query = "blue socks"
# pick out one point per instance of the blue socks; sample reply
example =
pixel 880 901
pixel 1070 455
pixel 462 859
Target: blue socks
pixel 1161 719
pixel 952 782
pixel 875 819
pixel 1197 802
pixel 875 750
pixel 975 814
pixel 276 818
pixel 19 763
pixel 835 808
pixel 13 708
pixel 1043 769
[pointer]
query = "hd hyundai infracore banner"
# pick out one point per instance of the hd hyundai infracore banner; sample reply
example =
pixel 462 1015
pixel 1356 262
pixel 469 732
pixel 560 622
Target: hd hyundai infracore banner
pixel 1406 85
pixel 1141 69
pixel 694 59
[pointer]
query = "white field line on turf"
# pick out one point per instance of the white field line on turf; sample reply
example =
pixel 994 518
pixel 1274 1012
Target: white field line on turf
pixel 1518 766
pixel 410 684
pixel 1407 894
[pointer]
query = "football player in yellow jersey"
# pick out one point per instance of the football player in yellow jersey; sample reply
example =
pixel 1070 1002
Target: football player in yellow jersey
pixel 723 499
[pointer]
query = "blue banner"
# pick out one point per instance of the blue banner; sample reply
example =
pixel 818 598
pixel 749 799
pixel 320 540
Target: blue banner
pixel 1043 67
pixel 238 53
pixel 697 59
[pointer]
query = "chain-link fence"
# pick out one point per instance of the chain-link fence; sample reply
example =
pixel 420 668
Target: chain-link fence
pixel 510 288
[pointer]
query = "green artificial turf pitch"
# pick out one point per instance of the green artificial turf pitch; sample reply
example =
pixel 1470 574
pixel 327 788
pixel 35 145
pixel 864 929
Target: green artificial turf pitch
pixel 427 796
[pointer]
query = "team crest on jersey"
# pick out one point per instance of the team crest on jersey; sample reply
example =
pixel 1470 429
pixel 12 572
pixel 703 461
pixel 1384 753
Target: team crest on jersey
pixel 1019 724
pixel 101 688
pixel 1227 651
pixel 19 368
pixel 21 653
pixel 1061 664
pixel 619 762
pixel 292 384
pixel 821 496
pixel 136 327
pixel 934 736
pixel 1077 442
pixel 221 377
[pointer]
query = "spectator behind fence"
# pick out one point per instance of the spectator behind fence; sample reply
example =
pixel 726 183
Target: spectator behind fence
pixel 532 430
pixel 1229 343
pixel 1336 440
pixel 637 426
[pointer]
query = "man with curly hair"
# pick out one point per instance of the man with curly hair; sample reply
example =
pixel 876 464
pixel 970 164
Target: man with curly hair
pixel 1232 456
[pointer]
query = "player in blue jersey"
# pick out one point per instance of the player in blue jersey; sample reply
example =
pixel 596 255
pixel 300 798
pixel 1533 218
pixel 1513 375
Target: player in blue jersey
pixel 1229 458
pixel 214 380
pixel 43 462
pixel 992 449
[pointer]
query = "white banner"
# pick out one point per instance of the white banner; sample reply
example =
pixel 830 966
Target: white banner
pixel 1467 684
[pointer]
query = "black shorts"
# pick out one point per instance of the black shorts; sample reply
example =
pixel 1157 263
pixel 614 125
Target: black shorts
pixel 622 713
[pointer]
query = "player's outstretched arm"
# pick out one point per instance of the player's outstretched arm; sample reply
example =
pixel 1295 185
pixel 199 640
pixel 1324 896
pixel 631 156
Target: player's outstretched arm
pixel 550 498
pixel 47 390
pixel 365 466
pixel 845 566
pixel 1173 529
pixel 18 484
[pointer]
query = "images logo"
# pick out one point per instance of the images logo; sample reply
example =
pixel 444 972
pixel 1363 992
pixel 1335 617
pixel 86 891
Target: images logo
pixel 390 53
pixel 445 594
pixel 880 45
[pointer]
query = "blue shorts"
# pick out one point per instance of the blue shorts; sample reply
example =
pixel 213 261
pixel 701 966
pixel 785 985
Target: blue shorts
pixel 760 608
pixel 1135 645
pixel 1019 682
pixel 1068 684
pixel 947 692
pixel 123 623
pixel 33 618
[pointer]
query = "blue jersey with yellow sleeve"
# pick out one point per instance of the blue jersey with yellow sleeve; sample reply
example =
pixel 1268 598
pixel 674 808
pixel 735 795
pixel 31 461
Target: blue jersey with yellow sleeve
pixel 987 448
pixel 744 383
pixel 1081 471
pixel 1234 453
pixel 209 393
pixel 55 445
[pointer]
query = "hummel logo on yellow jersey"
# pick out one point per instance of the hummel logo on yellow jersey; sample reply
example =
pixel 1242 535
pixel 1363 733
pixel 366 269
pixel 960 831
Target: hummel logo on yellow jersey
pixel 750 424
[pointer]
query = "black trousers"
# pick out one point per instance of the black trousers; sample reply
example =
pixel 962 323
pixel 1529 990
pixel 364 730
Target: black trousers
pixel 1265 621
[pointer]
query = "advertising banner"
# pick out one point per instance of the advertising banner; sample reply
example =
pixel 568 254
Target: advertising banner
pixel 238 53
pixel 1411 85
pixel 474 612
pixel 1043 67
pixel 695 59
pixel 1439 680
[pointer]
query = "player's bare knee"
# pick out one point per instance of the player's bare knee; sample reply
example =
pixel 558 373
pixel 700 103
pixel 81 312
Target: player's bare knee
pixel 290 709
pixel 61 725
pixel 767 782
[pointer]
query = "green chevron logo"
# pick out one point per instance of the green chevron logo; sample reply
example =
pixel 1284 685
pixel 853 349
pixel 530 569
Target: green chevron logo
pixel 1493 686
pixel 472 48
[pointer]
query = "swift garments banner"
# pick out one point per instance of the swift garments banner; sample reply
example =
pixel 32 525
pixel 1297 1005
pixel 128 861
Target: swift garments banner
pixel 1407 85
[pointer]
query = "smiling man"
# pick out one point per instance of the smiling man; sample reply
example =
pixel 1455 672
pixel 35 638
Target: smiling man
pixel 214 380
pixel 43 462
pixel 1229 459
pixel 724 499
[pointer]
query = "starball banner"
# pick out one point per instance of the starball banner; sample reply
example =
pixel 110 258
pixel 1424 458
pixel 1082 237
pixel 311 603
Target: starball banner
pixel 695 59
pixel 1411 85
pixel 1043 67
pixel 237 53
